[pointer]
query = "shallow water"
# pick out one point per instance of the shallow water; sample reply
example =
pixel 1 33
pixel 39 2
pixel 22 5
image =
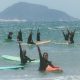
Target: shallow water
pixel 65 56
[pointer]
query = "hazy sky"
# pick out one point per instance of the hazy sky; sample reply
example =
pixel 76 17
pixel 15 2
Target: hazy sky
pixel 72 7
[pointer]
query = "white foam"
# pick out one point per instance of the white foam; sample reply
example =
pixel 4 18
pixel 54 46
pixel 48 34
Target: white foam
pixel 12 20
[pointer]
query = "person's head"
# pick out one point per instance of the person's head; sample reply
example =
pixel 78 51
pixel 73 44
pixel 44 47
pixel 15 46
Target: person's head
pixel 10 33
pixel 45 55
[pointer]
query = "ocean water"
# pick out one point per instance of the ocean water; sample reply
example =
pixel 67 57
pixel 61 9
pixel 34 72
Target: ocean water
pixel 65 56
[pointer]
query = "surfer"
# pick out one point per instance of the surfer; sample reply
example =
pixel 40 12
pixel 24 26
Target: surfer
pixel 23 56
pixel 71 37
pixel 10 35
pixel 19 36
pixel 66 35
pixel 38 35
pixel 44 61
pixel 30 41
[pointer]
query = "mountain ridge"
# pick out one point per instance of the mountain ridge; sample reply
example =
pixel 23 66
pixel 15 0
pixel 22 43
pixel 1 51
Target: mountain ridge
pixel 34 12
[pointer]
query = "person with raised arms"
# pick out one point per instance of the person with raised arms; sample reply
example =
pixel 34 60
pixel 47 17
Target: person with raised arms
pixel 66 35
pixel 44 61
pixel 23 56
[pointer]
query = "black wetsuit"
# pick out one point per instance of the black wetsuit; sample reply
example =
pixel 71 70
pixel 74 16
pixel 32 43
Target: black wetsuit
pixel 23 58
pixel 30 41
pixel 10 37
pixel 71 37
pixel 66 36
pixel 19 37
pixel 43 62
pixel 38 36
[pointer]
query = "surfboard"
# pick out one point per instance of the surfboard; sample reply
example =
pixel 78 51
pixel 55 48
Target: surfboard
pixel 55 69
pixel 11 67
pixel 66 43
pixel 37 42
pixel 14 58
pixel 42 42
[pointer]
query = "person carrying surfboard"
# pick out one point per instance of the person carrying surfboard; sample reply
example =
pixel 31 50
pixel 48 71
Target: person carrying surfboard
pixel 19 36
pixel 38 35
pixel 44 61
pixel 23 56
pixel 30 41
pixel 10 35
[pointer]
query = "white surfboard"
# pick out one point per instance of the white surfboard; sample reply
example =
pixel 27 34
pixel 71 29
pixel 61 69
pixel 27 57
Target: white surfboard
pixel 42 42
pixel 37 42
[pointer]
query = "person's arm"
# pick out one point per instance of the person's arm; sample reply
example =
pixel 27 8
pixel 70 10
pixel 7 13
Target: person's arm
pixel 40 55
pixel 21 55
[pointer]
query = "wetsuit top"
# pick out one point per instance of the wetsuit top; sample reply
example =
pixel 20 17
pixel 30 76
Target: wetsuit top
pixel 43 62
pixel 23 58
pixel 19 37
pixel 10 35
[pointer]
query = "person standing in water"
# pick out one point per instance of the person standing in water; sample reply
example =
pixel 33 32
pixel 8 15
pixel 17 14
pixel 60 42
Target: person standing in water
pixel 38 35
pixel 30 41
pixel 10 35
pixel 19 36
pixel 44 61
pixel 23 56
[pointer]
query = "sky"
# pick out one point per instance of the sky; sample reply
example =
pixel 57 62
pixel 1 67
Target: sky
pixel 71 7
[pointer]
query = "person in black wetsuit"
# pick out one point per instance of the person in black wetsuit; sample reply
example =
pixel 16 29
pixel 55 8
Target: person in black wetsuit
pixel 38 35
pixel 66 35
pixel 44 60
pixel 71 37
pixel 19 36
pixel 10 35
pixel 23 56
pixel 30 41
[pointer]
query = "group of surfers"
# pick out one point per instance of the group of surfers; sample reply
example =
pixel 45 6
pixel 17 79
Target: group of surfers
pixel 44 62
pixel 19 36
